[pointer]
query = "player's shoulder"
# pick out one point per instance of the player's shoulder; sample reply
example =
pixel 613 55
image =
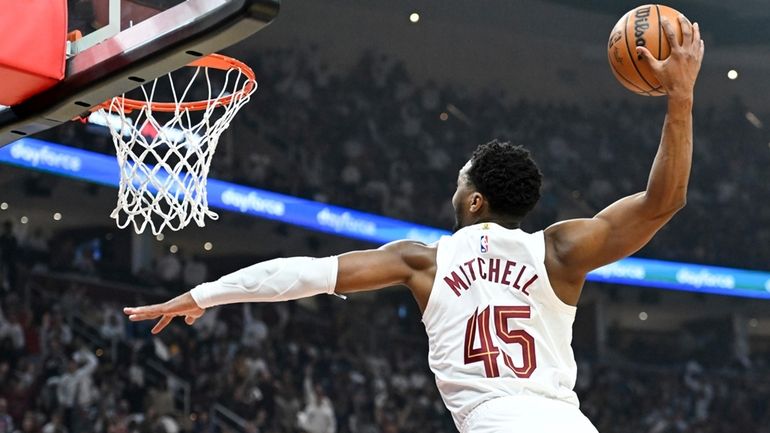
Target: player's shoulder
pixel 562 234
pixel 417 254
pixel 559 226
pixel 410 246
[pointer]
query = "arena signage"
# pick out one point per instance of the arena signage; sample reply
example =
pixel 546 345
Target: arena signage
pixel 685 276
pixel 103 169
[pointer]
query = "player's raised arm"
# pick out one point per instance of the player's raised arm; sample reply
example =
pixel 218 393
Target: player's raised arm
pixel 403 262
pixel 578 246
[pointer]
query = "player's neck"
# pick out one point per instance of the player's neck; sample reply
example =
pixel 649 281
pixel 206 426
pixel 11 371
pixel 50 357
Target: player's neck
pixel 507 222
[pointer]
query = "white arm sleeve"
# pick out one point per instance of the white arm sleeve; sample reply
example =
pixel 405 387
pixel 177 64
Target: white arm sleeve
pixel 272 281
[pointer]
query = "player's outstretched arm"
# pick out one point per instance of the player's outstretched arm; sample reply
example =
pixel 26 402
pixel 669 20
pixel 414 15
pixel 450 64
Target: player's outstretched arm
pixel 576 247
pixel 403 262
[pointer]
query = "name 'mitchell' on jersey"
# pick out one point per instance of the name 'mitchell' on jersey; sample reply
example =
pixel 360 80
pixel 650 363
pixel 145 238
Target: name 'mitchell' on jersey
pixel 495 270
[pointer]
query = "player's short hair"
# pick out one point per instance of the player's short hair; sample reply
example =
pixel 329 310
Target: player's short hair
pixel 507 176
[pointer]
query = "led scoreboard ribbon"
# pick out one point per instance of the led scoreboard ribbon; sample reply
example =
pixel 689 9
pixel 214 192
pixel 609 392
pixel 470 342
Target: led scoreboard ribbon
pixel 103 169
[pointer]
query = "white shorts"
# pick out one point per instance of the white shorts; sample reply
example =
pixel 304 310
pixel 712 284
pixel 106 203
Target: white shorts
pixel 527 414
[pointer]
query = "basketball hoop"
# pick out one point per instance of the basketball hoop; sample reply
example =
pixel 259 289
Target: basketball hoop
pixel 165 149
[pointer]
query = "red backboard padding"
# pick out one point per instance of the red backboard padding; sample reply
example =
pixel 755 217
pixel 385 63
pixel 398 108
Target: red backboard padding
pixel 32 47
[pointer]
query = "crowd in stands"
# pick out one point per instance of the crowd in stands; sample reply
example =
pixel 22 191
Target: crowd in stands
pixel 688 399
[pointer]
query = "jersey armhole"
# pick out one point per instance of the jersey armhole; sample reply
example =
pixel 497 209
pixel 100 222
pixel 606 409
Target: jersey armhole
pixel 538 248
pixel 440 258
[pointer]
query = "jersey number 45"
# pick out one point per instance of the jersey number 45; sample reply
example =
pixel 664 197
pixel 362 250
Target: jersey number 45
pixel 488 353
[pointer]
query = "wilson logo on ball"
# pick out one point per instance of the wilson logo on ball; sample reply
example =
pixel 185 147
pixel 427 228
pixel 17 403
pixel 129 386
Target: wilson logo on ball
pixel 641 25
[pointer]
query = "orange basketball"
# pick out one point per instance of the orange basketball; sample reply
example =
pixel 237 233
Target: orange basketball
pixel 641 27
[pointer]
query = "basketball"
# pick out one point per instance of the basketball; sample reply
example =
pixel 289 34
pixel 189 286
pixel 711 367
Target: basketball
pixel 641 26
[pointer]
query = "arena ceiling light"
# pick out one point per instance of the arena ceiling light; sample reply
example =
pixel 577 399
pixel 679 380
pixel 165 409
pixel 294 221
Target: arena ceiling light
pixel 414 17
pixel 732 74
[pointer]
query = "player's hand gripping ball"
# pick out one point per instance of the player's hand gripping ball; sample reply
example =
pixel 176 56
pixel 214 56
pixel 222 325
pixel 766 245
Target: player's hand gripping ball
pixel 641 27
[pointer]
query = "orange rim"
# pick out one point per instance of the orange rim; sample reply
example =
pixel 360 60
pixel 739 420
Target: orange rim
pixel 213 61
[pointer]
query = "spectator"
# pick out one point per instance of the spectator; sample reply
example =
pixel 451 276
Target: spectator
pixel 12 329
pixel 75 389
pixel 318 415
pixel 254 329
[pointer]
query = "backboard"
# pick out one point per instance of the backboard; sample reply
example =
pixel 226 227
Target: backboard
pixel 124 43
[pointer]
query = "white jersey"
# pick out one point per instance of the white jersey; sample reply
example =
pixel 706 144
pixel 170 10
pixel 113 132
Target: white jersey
pixel 495 326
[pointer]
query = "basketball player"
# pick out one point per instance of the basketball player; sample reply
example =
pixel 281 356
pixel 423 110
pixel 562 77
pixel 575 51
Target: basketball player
pixel 498 303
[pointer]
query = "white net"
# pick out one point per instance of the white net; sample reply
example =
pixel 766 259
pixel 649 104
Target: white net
pixel 164 156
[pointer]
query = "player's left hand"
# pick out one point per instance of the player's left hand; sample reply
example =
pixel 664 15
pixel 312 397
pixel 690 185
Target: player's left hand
pixel 182 305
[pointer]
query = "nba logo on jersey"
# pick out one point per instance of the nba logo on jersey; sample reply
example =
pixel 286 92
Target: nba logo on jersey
pixel 484 243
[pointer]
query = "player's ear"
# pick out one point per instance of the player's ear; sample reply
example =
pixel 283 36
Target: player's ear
pixel 476 201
